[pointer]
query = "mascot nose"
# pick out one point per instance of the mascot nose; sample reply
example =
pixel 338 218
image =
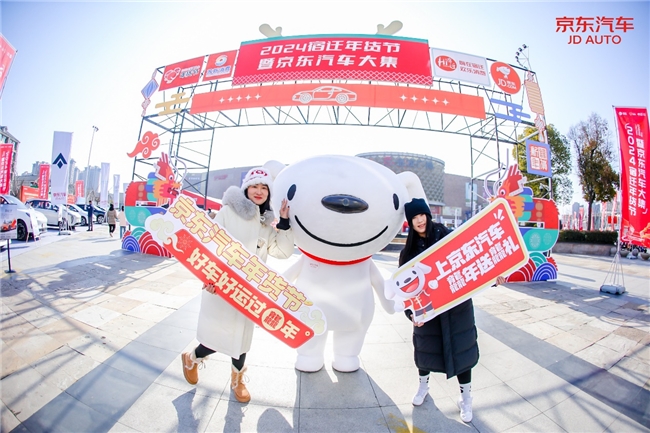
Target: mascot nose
pixel 343 203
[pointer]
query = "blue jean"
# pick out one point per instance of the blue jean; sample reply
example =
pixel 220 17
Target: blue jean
pixel 122 231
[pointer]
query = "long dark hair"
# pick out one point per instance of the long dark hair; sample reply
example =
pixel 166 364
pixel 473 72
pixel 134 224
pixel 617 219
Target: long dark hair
pixel 264 206
pixel 410 247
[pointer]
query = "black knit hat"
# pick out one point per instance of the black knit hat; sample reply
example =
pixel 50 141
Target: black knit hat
pixel 416 207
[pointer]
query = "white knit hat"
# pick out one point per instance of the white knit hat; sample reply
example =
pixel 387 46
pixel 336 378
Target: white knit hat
pixel 257 175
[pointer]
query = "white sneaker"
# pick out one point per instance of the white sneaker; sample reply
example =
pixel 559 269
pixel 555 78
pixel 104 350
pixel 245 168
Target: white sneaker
pixel 465 406
pixel 419 397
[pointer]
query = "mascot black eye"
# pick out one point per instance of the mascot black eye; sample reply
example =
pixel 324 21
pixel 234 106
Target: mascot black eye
pixel 396 201
pixel 291 192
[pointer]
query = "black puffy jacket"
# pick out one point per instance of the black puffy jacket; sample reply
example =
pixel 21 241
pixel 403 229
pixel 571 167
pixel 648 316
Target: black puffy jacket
pixel 448 342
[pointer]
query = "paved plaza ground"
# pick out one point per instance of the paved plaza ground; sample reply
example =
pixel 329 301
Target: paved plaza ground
pixel 91 338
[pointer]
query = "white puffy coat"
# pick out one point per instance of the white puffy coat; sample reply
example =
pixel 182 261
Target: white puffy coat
pixel 221 327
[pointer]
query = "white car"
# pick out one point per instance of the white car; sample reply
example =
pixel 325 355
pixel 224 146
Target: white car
pixel 51 211
pixel 30 222
pixel 81 212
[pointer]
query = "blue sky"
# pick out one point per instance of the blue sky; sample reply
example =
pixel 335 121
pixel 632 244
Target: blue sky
pixel 81 64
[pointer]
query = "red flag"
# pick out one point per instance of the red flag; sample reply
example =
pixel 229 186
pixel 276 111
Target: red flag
pixel 79 188
pixel 633 135
pixel 6 155
pixel 44 181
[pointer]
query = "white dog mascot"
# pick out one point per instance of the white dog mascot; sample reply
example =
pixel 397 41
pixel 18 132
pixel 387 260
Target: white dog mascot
pixel 344 209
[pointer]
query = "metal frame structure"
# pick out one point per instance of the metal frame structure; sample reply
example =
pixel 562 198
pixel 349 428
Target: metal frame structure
pixel 191 137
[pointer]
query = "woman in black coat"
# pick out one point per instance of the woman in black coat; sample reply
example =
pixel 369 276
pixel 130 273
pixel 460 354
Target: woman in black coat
pixel 448 342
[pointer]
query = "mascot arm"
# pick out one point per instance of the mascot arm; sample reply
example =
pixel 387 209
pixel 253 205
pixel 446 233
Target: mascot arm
pixel 378 285
pixel 281 244
pixel 292 273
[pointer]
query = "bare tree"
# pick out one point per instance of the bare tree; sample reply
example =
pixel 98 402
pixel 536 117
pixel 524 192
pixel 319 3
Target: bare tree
pixel 594 156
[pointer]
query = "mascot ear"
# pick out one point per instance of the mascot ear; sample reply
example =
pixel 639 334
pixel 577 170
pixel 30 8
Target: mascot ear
pixel 274 168
pixel 413 185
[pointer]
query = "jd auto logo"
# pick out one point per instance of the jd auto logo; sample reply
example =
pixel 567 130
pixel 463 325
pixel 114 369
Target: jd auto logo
pixel 505 77
pixel 446 63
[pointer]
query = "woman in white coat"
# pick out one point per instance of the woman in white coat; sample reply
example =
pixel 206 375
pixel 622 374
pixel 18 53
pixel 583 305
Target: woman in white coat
pixel 246 214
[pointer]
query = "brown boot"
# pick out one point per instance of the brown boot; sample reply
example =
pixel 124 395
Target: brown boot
pixel 191 367
pixel 239 388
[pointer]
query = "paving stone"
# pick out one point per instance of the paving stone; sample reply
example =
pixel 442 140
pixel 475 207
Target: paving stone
pixel 150 312
pixel 632 370
pixel 118 303
pixel 543 389
pixel 540 423
pixel 630 333
pixel 351 389
pixel 25 392
pixel 99 345
pixel 508 364
pixel 541 330
pixel 600 356
pixel 499 408
pixel 161 408
pixel 582 413
pixel 95 315
pixel 66 329
pixel 10 361
pixel 440 415
pixel 232 416
pixel 140 294
pixel 568 342
pixel 8 420
pixel 617 343
pixel 64 366
pixel 127 326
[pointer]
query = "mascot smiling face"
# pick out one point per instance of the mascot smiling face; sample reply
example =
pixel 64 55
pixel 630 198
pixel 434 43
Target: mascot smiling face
pixel 343 208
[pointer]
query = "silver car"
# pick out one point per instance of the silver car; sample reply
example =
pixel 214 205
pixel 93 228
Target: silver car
pixel 30 222
pixel 51 211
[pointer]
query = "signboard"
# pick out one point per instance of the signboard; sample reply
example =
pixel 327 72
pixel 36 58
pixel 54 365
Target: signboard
pixel 8 215
pixel 7 54
pixel 6 156
pixel 633 134
pixel 344 57
pixel 182 73
pixel 60 167
pixel 538 158
pixel 360 95
pixel 460 66
pixel 220 66
pixel 460 265
pixel 239 277
pixel 44 181
pixel 116 191
pixel 505 77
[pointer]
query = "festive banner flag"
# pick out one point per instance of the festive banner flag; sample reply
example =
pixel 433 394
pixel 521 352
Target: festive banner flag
pixel 60 167
pixel 116 191
pixel 6 156
pixel 103 193
pixel 240 277
pixel 44 181
pixel 79 189
pixel 633 135
pixel 7 55
pixel 460 265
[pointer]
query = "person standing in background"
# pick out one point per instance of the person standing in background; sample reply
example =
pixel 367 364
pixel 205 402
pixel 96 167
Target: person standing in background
pixel 121 217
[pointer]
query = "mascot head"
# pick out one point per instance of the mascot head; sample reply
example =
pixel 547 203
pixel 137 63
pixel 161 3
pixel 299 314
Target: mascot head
pixel 344 208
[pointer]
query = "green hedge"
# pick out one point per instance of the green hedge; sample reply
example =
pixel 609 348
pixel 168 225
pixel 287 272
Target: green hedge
pixel 593 237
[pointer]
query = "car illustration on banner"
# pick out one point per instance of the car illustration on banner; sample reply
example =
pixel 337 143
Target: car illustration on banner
pixel 325 93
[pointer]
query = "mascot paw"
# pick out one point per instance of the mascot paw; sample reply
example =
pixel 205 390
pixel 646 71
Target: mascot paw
pixel 346 364
pixel 309 364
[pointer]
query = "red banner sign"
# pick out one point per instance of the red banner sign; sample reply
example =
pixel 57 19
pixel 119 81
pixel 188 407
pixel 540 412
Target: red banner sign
pixel 79 188
pixel 220 66
pixel 359 95
pixel 6 156
pixel 239 276
pixel 354 57
pixel 461 264
pixel 182 73
pixel 633 133
pixel 7 54
pixel 44 181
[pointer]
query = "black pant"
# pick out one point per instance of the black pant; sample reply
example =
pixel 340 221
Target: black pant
pixel 111 228
pixel 463 378
pixel 201 352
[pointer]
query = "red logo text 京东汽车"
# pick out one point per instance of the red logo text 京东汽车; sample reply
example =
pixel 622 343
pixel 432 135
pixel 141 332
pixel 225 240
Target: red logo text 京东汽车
pixel 594 30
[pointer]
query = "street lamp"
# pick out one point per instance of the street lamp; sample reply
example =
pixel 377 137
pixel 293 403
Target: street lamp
pixel 95 129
